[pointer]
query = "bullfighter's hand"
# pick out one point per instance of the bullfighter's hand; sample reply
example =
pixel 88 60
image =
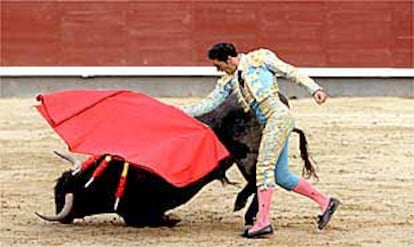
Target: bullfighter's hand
pixel 320 96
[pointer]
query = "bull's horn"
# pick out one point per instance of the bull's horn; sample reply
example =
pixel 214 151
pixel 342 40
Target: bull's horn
pixel 63 213
pixel 76 163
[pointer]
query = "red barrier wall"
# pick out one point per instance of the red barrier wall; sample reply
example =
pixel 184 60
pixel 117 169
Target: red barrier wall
pixel 306 33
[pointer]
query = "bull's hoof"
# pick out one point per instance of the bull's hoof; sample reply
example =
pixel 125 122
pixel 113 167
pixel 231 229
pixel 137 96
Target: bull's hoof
pixel 170 220
pixel 246 230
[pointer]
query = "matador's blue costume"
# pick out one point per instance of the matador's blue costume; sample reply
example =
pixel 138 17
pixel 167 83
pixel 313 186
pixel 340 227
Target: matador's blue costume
pixel 255 83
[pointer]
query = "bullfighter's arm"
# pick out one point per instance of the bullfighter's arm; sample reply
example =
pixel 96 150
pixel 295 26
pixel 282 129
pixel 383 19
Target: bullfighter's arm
pixel 215 98
pixel 290 72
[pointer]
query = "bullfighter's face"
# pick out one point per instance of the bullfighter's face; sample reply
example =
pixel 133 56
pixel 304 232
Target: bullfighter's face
pixel 229 67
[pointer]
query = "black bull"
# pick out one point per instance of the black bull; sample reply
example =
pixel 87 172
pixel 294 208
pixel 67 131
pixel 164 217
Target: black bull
pixel 147 196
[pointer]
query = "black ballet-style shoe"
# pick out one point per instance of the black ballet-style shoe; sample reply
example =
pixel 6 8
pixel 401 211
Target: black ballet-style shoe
pixel 324 219
pixel 267 230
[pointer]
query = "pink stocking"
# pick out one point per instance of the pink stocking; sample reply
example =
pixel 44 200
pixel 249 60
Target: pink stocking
pixel 306 189
pixel 264 200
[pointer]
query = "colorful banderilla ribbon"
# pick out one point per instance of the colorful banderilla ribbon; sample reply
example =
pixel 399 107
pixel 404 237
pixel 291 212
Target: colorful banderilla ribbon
pixel 85 165
pixel 121 186
pixel 99 170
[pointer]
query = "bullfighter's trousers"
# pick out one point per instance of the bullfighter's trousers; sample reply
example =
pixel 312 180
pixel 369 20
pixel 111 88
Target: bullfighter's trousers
pixel 272 162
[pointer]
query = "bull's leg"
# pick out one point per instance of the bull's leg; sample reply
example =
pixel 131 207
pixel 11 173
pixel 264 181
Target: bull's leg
pixel 243 195
pixel 150 219
pixel 251 212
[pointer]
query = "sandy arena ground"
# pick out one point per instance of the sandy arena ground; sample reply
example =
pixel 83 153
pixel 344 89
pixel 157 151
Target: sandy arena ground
pixel 364 148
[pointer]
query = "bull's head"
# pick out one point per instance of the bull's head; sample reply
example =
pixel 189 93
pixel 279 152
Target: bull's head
pixel 73 200
pixel 147 196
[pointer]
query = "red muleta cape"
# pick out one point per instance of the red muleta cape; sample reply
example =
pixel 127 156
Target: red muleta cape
pixel 140 129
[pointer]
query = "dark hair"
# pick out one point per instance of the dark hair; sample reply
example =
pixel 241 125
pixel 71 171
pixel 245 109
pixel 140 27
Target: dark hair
pixel 222 51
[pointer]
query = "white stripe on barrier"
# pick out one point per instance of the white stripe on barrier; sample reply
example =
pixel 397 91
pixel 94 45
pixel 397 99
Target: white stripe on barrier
pixel 92 71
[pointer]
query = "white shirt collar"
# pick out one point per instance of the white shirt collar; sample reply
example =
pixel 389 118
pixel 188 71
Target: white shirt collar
pixel 242 61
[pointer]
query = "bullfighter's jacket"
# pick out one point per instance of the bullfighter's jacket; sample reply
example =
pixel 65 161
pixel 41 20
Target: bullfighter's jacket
pixel 256 87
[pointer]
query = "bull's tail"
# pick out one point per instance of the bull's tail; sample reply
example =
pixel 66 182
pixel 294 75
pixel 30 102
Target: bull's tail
pixel 308 169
